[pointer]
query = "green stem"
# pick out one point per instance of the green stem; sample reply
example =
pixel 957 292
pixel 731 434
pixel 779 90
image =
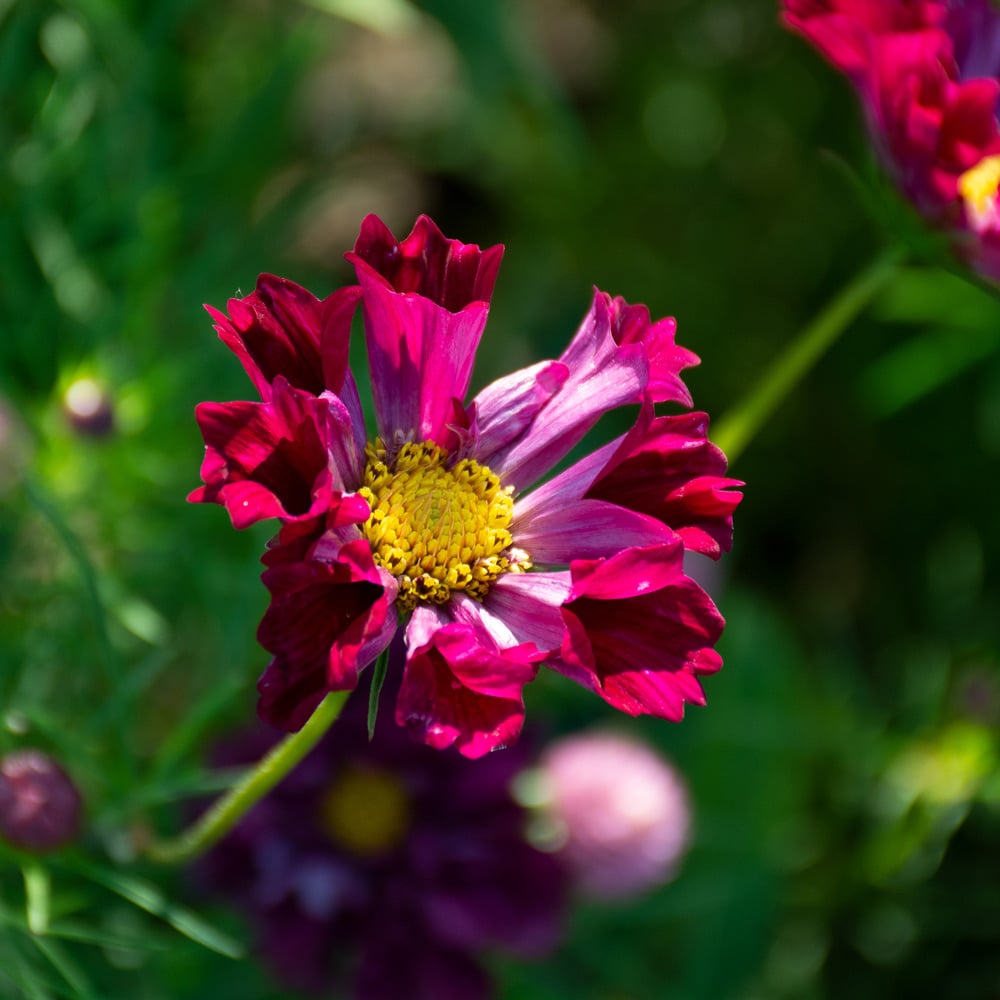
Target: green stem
pixel 737 428
pixel 250 789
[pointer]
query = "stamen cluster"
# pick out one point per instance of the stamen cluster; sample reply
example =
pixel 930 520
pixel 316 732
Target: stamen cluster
pixel 436 526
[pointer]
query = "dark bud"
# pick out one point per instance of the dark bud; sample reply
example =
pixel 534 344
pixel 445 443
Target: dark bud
pixel 39 804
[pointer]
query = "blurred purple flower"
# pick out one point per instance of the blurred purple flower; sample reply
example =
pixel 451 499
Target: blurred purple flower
pixel 39 804
pixel 619 813
pixel 385 868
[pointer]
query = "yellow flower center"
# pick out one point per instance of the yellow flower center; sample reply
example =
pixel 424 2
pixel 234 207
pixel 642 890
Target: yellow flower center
pixel 978 188
pixel 365 811
pixel 436 526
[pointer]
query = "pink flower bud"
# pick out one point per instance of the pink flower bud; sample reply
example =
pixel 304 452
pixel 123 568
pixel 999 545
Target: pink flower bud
pixel 621 813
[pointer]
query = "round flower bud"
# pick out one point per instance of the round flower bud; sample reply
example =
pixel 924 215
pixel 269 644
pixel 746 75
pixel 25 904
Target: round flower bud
pixel 619 813
pixel 88 408
pixel 39 804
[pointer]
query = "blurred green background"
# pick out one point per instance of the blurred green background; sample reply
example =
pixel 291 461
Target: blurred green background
pixel 688 154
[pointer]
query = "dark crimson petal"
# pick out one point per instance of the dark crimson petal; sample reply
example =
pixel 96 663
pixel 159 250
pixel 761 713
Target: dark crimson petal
pixel 667 468
pixel 449 273
pixel 335 335
pixel 275 331
pixel 459 688
pixel 640 631
pixel 270 459
pixel 321 615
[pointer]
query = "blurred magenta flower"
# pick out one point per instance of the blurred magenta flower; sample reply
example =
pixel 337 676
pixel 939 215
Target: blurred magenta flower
pixel 384 869
pixel 426 528
pixel 39 804
pixel 620 814
pixel 927 74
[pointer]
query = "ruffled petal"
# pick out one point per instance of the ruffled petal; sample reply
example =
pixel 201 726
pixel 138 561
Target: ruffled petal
pixel 449 273
pixel 667 468
pixel 459 688
pixel 603 375
pixel 271 459
pixel 639 631
pixel 632 325
pixel 275 331
pixel 322 615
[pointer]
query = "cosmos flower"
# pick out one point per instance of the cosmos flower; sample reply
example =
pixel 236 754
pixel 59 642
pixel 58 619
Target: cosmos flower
pixel 382 869
pixel 428 527
pixel 618 814
pixel 927 74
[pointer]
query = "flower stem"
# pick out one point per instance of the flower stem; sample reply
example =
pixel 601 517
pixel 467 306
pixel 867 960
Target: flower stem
pixel 738 427
pixel 250 789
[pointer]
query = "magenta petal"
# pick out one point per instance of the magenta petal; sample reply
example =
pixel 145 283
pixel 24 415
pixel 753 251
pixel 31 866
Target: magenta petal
pixel 270 459
pixel 426 263
pixel 667 468
pixel 632 325
pixel 275 331
pixel 506 408
pixel 639 631
pixel 459 688
pixel 585 529
pixel 603 375
pixel 321 616
pixel 421 357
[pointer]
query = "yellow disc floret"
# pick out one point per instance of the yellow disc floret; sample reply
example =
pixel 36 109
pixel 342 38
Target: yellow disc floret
pixel 437 526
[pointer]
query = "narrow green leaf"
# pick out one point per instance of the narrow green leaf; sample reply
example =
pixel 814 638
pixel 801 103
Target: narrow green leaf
pixel 378 679
pixel 66 968
pixel 147 896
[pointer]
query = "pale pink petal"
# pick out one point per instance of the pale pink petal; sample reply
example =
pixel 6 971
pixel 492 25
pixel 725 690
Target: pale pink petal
pixel 529 604
pixel 603 375
pixel 506 408
pixel 585 529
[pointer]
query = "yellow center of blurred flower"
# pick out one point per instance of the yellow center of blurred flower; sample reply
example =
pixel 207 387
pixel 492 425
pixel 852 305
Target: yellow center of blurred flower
pixel 978 188
pixel 436 526
pixel 365 811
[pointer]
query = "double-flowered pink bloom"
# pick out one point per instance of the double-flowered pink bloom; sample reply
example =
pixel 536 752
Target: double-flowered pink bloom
pixel 428 529
pixel 927 73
